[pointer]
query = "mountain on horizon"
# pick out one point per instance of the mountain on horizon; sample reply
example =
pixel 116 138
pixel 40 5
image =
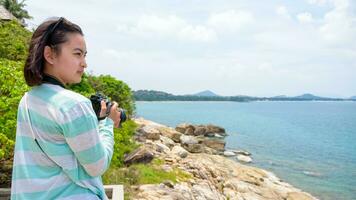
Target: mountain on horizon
pixel 206 93
pixel 308 96
pixel 353 97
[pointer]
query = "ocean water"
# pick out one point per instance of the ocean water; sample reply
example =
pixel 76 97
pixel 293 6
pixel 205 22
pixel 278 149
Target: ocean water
pixel 311 145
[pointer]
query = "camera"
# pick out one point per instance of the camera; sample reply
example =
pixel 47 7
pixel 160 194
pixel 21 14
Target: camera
pixel 96 102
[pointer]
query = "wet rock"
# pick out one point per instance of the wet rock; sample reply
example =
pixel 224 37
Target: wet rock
pixel 243 158
pixel 229 153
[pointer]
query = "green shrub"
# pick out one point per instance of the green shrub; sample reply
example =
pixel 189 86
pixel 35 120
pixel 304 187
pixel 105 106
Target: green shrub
pixel 123 142
pixel 14 41
pixel 12 88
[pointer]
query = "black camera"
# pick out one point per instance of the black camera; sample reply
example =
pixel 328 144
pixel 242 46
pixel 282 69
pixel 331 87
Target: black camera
pixel 96 102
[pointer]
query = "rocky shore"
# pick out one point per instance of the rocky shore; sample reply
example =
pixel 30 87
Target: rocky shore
pixel 200 152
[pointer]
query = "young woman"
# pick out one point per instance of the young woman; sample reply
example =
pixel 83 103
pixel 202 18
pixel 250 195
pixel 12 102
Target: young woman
pixel 61 148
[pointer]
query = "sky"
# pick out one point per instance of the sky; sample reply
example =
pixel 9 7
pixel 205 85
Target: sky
pixel 231 47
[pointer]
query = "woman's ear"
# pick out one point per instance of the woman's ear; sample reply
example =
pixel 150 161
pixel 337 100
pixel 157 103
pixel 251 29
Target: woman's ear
pixel 48 54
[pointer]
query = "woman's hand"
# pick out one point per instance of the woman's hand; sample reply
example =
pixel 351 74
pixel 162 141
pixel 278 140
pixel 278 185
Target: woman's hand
pixel 114 113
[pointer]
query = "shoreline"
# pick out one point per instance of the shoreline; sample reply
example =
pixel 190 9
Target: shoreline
pixel 213 174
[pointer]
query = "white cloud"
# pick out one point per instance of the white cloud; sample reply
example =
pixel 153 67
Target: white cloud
pixel 338 27
pixel 283 11
pixel 152 26
pixel 230 20
pixel 305 17
pixel 317 2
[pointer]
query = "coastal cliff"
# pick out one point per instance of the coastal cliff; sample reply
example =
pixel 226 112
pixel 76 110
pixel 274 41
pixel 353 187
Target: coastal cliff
pixel 211 175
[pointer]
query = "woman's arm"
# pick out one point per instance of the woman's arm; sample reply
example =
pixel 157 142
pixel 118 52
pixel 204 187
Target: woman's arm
pixel 91 142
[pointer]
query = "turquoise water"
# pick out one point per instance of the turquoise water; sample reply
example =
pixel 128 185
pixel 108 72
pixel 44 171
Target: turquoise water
pixel 311 145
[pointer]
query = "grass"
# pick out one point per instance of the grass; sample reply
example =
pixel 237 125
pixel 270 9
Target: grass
pixel 138 174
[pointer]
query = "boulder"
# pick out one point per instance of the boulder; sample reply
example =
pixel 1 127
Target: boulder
pixel 149 132
pixel 215 144
pixel 243 158
pixel 181 152
pixel 194 148
pixel 140 155
pixel 185 128
pixel 167 141
pixel 170 133
pixel 242 152
pixel 215 129
pixel 187 139
pixel 199 130
pixel 161 148
pixel 229 153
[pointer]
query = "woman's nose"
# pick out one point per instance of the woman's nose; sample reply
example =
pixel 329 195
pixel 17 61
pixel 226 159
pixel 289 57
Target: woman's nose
pixel 84 63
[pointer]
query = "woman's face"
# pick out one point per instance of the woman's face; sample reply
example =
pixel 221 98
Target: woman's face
pixel 70 62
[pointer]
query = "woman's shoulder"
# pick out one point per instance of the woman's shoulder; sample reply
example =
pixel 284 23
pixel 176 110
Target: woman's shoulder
pixel 59 97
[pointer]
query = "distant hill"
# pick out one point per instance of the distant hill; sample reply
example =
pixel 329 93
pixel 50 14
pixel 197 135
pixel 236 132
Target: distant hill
pixel 353 97
pixel 280 96
pixel 152 95
pixel 308 97
pixel 206 93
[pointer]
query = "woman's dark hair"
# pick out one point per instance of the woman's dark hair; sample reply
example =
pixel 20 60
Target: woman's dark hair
pixel 50 33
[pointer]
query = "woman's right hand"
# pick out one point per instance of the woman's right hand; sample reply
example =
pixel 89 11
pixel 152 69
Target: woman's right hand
pixel 114 112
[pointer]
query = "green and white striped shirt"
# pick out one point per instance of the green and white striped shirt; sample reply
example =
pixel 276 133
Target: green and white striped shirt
pixel 77 147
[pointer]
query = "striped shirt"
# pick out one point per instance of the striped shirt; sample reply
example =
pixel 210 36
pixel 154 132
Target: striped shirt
pixel 77 147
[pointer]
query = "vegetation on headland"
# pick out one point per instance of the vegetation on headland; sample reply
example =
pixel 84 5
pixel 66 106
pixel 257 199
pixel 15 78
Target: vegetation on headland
pixel 152 95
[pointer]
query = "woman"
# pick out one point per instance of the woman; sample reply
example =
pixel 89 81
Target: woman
pixel 61 148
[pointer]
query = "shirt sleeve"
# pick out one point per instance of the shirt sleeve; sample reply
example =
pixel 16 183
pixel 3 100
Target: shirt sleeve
pixel 91 142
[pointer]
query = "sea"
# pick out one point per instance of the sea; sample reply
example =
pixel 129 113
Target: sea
pixel 309 144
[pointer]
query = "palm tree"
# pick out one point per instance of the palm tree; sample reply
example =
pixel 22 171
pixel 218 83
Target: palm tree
pixel 16 9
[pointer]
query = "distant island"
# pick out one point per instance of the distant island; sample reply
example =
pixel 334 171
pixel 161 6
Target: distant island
pixel 207 95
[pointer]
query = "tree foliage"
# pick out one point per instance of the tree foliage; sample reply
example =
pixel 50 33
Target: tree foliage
pixel 16 9
pixel 14 41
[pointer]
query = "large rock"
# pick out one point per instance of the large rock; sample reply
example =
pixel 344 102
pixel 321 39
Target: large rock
pixel 199 130
pixel 243 158
pixel 218 145
pixel 170 133
pixel 140 155
pixel 187 139
pixel 167 141
pixel 194 148
pixel 229 153
pixel 179 151
pixel 215 129
pixel 150 132
pixel 161 148
pixel 185 128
